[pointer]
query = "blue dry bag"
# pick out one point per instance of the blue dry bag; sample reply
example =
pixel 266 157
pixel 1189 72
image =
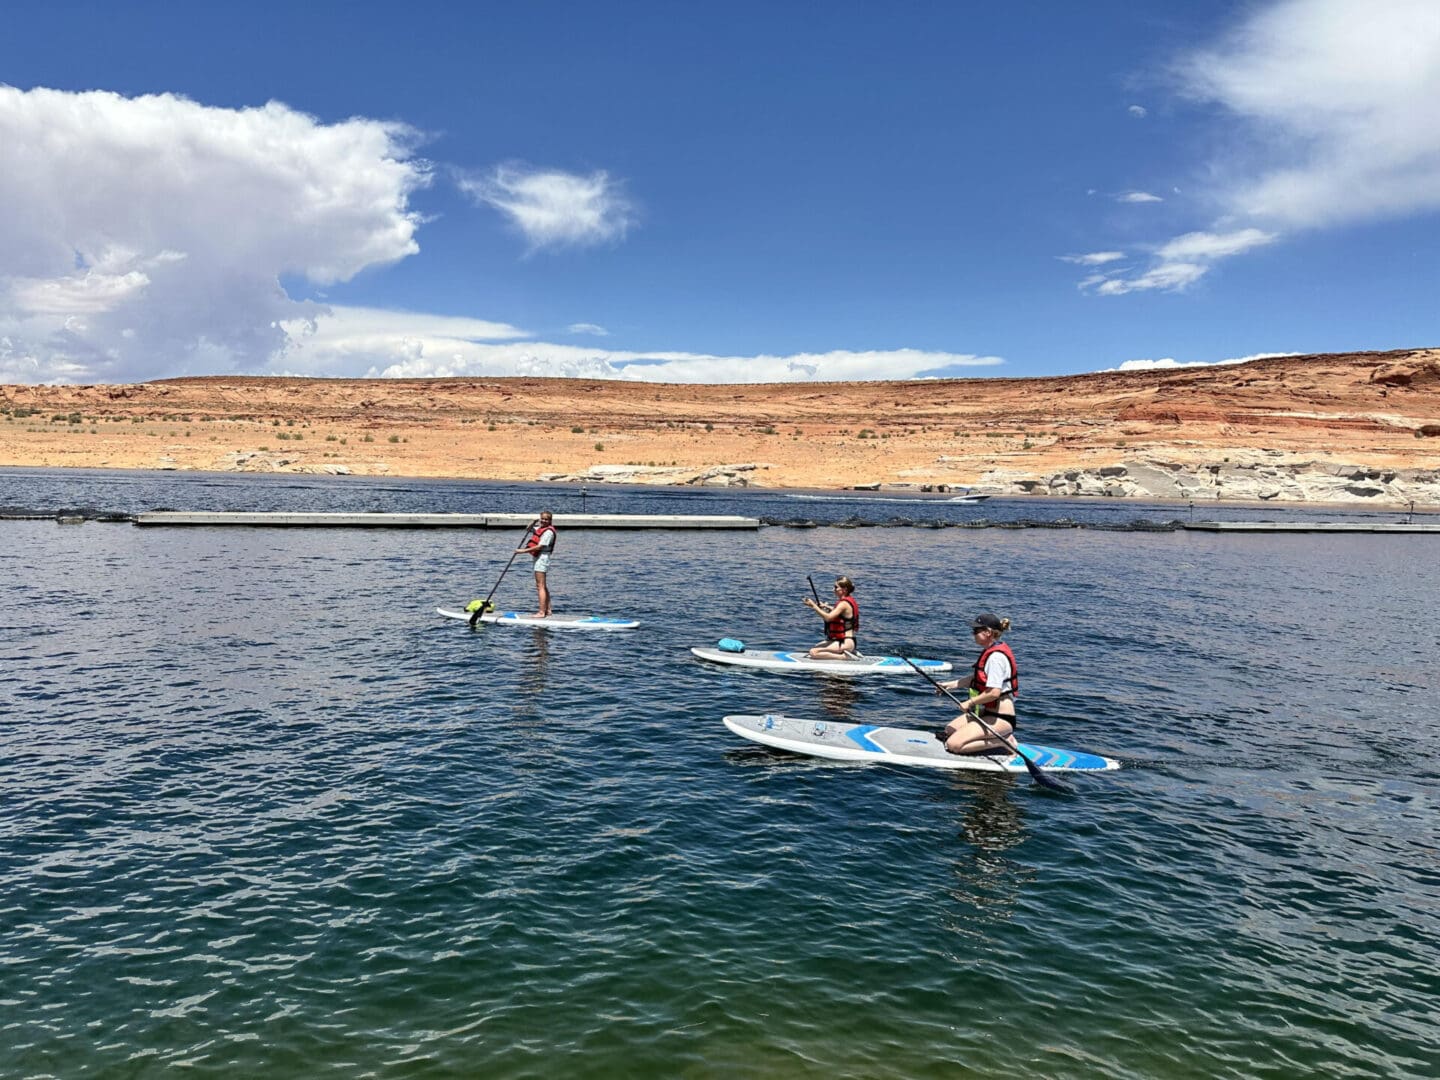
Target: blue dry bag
pixel 729 644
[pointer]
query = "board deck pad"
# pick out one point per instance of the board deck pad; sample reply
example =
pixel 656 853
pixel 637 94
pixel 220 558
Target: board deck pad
pixel 800 661
pixel 552 622
pixel 898 746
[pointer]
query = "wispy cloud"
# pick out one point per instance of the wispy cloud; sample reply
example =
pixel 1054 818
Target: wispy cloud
pixel 1210 246
pixel 587 328
pixel 1137 197
pixel 1138 111
pixel 1094 258
pixel 146 236
pixel 1339 99
pixel 554 209
pixel 1169 277
pixel 1179 263
pixel 1329 106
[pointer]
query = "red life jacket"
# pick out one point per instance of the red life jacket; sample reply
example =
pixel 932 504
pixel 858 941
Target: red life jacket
pixel 539 533
pixel 1004 650
pixel 842 628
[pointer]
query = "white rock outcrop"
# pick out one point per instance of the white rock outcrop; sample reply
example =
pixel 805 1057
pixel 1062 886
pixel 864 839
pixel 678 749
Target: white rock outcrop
pixel 713 476
pixel 1260 477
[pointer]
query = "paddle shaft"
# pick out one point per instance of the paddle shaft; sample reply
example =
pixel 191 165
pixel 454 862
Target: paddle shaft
pixel 1030 766
pixel 475 615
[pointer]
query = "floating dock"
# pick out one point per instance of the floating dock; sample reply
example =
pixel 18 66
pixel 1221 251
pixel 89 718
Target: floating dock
pixel 439 521
pixel 1314 526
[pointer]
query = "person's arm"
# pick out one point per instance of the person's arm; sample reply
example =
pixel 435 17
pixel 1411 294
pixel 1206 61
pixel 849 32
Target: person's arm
pixel 828 614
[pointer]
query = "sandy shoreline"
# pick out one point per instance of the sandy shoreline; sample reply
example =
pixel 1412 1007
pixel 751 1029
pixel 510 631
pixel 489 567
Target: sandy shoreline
pixel 1358 427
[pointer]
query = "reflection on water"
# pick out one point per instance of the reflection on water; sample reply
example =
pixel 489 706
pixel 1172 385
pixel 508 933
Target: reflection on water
pixel 537 656
pixel 838 697
pixel 986 882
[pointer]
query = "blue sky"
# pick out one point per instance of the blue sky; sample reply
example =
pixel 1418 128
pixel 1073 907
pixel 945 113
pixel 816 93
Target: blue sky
pixel 693 192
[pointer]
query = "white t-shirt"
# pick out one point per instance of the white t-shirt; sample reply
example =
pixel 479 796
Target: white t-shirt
pixel 998 673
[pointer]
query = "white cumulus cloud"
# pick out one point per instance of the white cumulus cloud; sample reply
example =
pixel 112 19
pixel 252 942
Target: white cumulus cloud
pixel 147 236
pixel 365 342
pixel 1170 362
pixel 554 209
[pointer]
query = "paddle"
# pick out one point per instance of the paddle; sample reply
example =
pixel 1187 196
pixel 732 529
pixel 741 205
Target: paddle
pixel 485 604
pixel 1030 766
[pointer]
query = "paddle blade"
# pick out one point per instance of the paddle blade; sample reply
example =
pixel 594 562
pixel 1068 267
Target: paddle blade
pixel 1038 775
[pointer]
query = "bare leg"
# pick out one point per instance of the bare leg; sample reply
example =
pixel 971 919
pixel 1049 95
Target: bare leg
pixel 968 737
pixel 544 591
pixel 828 650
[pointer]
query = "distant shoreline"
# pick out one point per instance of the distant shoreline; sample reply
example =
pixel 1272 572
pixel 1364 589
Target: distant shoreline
pixel 1360 428
pixel 571 489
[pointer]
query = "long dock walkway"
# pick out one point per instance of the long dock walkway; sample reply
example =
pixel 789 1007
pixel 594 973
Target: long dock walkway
pixel 438 521
pixel 1314 526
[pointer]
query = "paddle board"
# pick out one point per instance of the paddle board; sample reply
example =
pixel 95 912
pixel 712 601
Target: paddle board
pixel 550 622
pixel 899 746
pixel 800 661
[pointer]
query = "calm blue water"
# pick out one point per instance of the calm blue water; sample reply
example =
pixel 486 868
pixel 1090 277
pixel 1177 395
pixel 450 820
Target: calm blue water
pixel 263 811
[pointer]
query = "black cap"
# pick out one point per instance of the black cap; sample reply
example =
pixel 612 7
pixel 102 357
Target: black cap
pixel 985 621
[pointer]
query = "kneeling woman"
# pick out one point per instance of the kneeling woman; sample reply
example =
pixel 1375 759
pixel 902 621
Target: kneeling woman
pixel 996 681
pixel 842 623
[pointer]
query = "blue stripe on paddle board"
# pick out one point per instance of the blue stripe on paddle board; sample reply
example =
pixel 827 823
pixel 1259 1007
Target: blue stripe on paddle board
pixel 1050 758
pixel 860 737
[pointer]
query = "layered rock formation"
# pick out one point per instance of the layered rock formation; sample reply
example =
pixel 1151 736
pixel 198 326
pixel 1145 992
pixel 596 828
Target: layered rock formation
pixel 1354 427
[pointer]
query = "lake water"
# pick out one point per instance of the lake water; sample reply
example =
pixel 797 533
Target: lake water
pixel 265 813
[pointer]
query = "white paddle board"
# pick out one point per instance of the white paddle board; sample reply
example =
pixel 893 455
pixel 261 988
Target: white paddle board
pixel 899 746
pixel 800 661
pixel 550 622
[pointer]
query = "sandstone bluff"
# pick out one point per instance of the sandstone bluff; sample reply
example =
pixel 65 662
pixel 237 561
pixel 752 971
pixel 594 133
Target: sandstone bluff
pixel 1356 427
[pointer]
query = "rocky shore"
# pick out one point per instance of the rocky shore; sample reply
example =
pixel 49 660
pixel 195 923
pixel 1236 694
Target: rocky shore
pixel 1239 477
